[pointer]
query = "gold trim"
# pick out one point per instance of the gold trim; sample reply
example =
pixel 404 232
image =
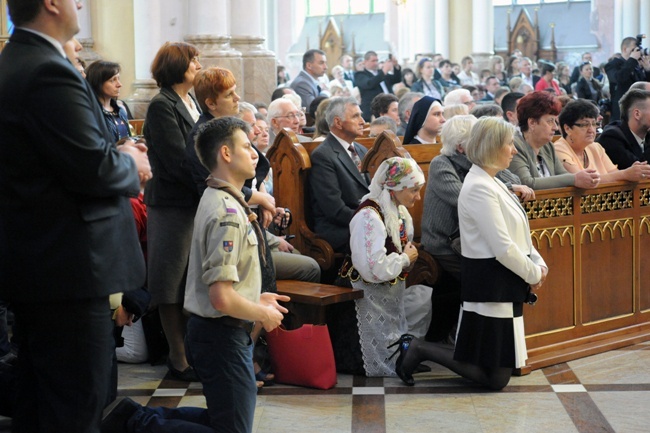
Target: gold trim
pixel 609 319
pixel 560 232
pixel 549 208
pixel 644 197
pixel 554 331
pixel 615 200
pixel 610 226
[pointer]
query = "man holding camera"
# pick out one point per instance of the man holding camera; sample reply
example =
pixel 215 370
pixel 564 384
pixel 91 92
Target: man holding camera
pixel 626 70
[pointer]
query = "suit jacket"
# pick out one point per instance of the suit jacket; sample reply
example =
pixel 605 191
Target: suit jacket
pixel 369 87
pixel 621 145
pixel 494 225
pixel 336 188
pixel 575 75
pixel 535 79
pixel 583 90
pixel 524 165
pixel 166 128
pixel 622 74
pixel 66 226
pixel 305 87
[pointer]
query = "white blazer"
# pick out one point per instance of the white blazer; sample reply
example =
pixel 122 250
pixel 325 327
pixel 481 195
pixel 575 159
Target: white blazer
pixel 494 224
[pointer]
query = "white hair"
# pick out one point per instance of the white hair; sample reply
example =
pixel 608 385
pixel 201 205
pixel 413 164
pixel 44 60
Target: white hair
pixel 454 97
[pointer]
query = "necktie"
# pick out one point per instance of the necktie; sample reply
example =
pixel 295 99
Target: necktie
pixel 318 89
pixel 355 157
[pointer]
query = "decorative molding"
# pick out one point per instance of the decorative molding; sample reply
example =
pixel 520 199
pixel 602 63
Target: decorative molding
pixel 549 208
pixel 604 227
pixel 602 202
pixel 644 196
pixel 562 233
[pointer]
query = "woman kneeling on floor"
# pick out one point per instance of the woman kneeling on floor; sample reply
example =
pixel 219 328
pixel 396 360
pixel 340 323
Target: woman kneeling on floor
pixel 499 269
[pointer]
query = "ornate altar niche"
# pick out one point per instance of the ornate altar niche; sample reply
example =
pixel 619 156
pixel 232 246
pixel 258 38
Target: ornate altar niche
pixel 525 37
pixel 332 42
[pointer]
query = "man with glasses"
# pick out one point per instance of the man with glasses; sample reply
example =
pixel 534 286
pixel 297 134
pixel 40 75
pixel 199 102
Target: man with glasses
pixel 460 96
pixel 284 114
pixel 627 140
pixel 68 237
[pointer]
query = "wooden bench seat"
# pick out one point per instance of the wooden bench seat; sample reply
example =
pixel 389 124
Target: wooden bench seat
pixel 309 301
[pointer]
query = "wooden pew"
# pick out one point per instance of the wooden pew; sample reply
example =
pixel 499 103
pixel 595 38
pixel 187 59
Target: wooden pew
pixel 137 125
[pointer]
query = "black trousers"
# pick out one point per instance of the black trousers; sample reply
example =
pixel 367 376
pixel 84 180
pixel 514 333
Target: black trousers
pixel 64 365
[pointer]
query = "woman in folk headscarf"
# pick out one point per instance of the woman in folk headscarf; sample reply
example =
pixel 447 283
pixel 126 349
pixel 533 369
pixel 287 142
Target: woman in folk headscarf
pixel 381 233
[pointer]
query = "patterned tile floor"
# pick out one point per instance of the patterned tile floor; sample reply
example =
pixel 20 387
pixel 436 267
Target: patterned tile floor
pixel 609 392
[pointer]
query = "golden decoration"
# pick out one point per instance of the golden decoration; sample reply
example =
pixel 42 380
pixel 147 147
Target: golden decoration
pixel 549 208
pixel 615 200
pixel 562 233
pixel 610 227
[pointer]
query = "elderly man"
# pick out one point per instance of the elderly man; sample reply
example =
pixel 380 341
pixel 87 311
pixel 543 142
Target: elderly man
pixel 460 96
pixel 627 141
pixel 405 107
pixel 335 181
pixel 284 114
pixel 372 81
pixel 68 234
pixel 314 66
pixel 526 69
pixel 381 124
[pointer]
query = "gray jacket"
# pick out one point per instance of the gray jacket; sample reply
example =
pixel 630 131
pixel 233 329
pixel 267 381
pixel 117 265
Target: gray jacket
pixel 524 165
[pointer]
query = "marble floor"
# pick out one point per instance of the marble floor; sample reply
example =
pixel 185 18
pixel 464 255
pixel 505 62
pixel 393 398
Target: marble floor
pixel 609 392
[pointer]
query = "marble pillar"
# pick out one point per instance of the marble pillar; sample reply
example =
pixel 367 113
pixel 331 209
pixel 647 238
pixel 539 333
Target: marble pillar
pixel 258 63
pixel 482 32
pixel 423 20
pixel 441 28
pixel 148 35
pixel 209 29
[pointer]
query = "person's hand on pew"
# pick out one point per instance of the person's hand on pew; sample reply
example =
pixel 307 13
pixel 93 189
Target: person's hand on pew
pixel 524 192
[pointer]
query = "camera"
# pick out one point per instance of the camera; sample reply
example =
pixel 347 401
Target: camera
pixel 531 298
pixel 639 41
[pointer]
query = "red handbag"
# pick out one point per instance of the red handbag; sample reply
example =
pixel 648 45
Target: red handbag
pixel 303 356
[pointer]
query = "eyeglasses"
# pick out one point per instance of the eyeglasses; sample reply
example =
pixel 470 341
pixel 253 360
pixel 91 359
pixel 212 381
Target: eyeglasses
pixel 594 125
pixel 290 116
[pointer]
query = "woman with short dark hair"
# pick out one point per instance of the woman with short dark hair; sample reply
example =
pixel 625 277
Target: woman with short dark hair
pixel 578 150
pixel 536 163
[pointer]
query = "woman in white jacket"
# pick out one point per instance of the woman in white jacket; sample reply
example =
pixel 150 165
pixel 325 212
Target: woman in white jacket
pixel 499 269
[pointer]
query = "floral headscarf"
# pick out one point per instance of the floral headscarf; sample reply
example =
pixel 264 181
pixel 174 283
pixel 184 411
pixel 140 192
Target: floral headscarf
pixel 394 174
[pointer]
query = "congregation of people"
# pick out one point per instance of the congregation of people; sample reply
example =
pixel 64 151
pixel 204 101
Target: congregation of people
pixel 181 227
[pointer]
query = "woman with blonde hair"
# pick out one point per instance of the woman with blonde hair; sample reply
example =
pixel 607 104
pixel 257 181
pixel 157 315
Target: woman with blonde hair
pixel 495 238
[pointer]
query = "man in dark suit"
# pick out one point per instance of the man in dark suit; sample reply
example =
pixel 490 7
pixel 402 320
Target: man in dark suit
pixel 314 66
pixel 624 71
pixel 335 183
pixel 372 81
pixel 627 141
pixel 348 68
pixel 67 232
pixel 491 87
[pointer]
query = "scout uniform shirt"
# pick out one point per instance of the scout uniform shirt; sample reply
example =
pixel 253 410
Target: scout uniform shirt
pixel 224 248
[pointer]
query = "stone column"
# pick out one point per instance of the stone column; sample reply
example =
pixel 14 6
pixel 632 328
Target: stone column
pixel 258 63
pixel 209 31
pixel 482 32
pixel 441 28
pixel 459 24
pixel 148 36
pixel 644 22
pixel 423 20
pixel 85 36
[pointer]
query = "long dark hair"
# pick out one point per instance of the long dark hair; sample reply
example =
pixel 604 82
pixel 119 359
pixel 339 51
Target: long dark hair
pixel 99 72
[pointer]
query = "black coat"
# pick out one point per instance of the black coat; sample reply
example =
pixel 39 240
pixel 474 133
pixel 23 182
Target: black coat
pixel 369 87
pixel 621 145
pixel 66 226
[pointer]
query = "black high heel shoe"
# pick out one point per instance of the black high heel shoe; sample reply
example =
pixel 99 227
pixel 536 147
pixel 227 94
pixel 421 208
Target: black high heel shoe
pixel 402 346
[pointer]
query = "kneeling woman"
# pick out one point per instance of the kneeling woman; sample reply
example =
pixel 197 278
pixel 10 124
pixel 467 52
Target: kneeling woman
pixel 381 232
pixel 499 267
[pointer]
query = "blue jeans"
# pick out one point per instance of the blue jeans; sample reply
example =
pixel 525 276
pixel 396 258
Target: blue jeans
pixel 164 420
pixel 222 357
